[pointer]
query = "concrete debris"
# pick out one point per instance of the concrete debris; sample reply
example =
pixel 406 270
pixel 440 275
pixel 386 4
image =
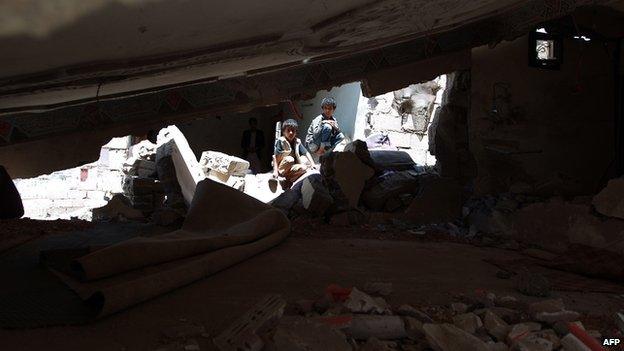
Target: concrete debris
pixel 561 316
pixel 572 343
pixel 447 337
pixel 244 333
pixel 610 201
pixel 495 326
pixel 302 334
pixel 360 149
pixel 468 322
pixel 363 327
pixel 390 187
pixel 315 196
pixel 359 302
pixel 378 288
pixel 117 208
pixel 222 163
pixel 191 345
pixel 349 174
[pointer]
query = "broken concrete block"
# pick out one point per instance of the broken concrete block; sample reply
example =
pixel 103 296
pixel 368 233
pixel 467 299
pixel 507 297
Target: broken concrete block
pixel 359 302
pixel 610 200
pixel 619 320
pixel 447 337
pixel 495 326
pixel 572 343
pixel 521 330
pixel 407 310
pixel 315 196
pixel 360 149
pixel 243 333
pixel 117 207
pixel 392 160
pixel 363 327
pixel 378 288
pixel 302 334
pixel 439 200
pixel 553 317
pixel 223 163
pixel 468 322
pixel 348 172
pixel 188 172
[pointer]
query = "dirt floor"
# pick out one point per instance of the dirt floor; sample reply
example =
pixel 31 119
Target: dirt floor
pixel 423 273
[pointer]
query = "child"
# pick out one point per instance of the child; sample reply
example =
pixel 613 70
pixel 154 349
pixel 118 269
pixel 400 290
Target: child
pixel 324 133
pixel 291 159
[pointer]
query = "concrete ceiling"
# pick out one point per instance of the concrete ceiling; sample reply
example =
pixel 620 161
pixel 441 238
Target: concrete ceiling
pixel 59 51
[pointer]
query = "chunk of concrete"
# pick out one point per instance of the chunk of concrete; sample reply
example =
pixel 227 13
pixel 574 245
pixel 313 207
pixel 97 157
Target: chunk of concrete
pixel 459 307
pixel 188 172
pixel 315 196
pixel 495 326
pixel 117 207
pixel 619 320
pixel 363 327
pixel 560 316
pixel 359 302
pixel 468 322
pixel 447 337
pixel 360 149
pixel 349 173
pixel 610 200
pixel 302 334
pixel 572 343
pixel 223 163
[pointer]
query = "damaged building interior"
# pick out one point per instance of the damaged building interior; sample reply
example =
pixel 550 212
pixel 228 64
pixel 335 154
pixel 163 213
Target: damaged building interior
pixel 312 175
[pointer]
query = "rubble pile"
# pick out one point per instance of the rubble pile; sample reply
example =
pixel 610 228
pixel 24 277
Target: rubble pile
pixel 353 319
pixel 360 183
pixel 141 185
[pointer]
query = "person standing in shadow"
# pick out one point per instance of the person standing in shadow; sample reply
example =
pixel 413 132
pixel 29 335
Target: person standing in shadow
pixel 252 144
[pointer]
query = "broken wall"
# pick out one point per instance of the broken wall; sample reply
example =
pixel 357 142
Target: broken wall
pixel 542 131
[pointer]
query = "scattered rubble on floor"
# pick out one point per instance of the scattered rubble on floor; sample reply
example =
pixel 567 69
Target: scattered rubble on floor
pixel 118 208
pixel 350 319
